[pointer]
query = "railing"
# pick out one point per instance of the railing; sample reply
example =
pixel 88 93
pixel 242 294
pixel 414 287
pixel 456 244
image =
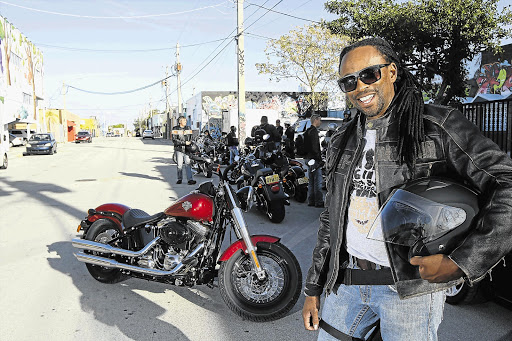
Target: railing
pixel 494 119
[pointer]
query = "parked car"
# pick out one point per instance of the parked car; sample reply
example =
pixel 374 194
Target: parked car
pixel 302 125
pixel 15 141
pixel 494 286
pixel 41 144
pixel 148 134
pixel 109 134
pixel 83 136
pixel 137 133
pixel 21 133
pixel 3 152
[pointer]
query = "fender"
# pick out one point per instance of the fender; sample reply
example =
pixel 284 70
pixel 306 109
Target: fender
pixel 240 245
pixel 297 171
pixel 111 211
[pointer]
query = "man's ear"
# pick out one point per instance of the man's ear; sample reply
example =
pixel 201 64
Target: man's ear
pixel 393 72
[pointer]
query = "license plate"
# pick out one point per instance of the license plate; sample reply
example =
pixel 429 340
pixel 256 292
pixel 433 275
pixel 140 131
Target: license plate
pixel 272 179
pixel 303 180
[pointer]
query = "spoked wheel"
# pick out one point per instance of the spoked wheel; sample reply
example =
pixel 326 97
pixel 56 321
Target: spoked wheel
pixel 463 293
pixel 266 300
pixel 231 173
pixel 103 231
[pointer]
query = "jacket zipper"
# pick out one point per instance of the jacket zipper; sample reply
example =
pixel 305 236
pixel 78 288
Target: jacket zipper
pixel 338 244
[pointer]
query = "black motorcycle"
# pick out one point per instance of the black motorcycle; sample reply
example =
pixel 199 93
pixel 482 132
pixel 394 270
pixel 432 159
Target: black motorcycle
pixel 295 181
pixel 258 184
pixel 202 157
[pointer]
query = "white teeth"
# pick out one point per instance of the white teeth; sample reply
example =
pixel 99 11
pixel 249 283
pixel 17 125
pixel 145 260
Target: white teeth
pixel 366 99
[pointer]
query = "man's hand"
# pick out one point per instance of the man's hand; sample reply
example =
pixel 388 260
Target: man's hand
pixel 437 268
pixel 310 312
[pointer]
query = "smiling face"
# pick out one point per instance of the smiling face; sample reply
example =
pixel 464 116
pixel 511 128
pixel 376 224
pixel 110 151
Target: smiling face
pixel 371 99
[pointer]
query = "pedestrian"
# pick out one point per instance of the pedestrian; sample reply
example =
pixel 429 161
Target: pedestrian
pixel 394 137
pixel 312 145
pixel 279 127
pixel 232 143
pixel 182 141
pixel 270 129
pixel 290 140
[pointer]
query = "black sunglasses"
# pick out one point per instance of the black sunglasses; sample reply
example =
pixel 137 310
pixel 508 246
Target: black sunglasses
pixel 367 75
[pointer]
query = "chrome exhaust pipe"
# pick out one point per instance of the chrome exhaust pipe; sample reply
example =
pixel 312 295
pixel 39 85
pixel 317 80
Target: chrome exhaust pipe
pixel 105 248
pixel 111 263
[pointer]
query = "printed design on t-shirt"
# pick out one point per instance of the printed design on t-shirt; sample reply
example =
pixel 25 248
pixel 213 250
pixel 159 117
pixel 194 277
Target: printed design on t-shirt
pixel 363 205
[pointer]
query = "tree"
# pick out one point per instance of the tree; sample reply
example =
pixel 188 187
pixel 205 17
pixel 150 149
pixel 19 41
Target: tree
pixel 5 36
pixel 434 38
pixel 309 54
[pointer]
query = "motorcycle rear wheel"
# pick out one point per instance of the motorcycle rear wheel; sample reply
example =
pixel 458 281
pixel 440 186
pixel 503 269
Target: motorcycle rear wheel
pixel 276 211
pixel 267 300
pixel 102 231
pixel 301 193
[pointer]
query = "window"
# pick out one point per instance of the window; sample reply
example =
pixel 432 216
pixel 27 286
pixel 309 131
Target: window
pixel 27 99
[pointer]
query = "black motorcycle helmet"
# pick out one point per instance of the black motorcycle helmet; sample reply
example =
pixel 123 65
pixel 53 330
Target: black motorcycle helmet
pixel 428 215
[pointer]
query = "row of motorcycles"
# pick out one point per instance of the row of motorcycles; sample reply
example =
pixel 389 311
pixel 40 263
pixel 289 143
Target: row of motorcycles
pixel 262 173
pixel 265 176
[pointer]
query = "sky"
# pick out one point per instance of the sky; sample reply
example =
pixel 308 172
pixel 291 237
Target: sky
pixel 117 46
pixel 114 46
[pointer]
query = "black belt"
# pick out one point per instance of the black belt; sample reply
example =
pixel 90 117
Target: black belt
pixel 366 275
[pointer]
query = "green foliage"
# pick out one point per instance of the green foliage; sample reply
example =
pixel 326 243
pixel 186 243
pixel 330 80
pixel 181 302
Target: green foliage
pixel 309 54
pixel 435 38
pixel 118 126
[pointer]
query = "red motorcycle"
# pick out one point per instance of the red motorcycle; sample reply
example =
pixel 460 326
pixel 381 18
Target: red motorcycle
pixel 259 278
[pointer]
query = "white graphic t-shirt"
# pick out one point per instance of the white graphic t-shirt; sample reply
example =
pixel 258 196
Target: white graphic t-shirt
pixel 364 207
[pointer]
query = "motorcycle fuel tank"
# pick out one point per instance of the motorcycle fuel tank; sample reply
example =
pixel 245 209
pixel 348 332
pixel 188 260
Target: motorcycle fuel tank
pixel 195 206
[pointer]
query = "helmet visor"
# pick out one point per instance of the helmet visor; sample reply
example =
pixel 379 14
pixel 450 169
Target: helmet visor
pixel 407 218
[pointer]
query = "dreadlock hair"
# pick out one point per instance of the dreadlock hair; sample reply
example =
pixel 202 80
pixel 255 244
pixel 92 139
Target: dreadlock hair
pixel 408 101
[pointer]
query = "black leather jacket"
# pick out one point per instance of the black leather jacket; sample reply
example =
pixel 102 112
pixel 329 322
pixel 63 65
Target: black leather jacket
pixel 180 136
pixel 453 147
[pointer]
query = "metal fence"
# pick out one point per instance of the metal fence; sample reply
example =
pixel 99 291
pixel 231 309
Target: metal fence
pixel 494 119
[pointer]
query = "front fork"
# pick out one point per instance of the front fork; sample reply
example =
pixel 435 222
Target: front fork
pixel 243 233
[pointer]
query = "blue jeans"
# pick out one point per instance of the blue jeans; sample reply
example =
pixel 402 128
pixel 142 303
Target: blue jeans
pixel 315 195
pixel 353 309
pixel 180 159
pixel 233 151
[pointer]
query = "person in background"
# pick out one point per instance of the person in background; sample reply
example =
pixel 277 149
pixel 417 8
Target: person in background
pixel 182 140
pixel 270 129
pixel 232 143
pixel 290 140
pixel 312 145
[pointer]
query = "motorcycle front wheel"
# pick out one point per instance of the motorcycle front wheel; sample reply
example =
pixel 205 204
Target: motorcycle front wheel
pixel 266 300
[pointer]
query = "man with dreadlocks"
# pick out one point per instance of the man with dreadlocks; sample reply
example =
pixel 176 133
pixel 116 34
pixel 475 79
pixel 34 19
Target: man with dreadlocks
pixel 393 138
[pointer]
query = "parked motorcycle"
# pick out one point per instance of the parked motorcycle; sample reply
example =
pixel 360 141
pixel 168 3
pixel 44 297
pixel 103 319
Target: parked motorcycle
pixel 259 184
pixel 202 158
pixel 295 181
pixel 259 278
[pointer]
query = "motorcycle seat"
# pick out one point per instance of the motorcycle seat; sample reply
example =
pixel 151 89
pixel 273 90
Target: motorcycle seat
pixel 261 172
pixel 136 217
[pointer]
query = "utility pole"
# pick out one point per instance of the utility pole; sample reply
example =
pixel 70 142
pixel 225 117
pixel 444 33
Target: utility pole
pixel 178 74
pixel 241 72
pixel 167 111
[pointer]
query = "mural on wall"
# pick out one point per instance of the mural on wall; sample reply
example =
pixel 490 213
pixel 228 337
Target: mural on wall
pixel 214 107
pixel 288 104
pixel 21 73
pixel 495 78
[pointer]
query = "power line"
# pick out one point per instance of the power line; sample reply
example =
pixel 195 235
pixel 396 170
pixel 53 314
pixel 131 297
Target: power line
pixel 268 10
pixel 126 50
pixel 286 14
pixel 119 92
pixel 111 17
